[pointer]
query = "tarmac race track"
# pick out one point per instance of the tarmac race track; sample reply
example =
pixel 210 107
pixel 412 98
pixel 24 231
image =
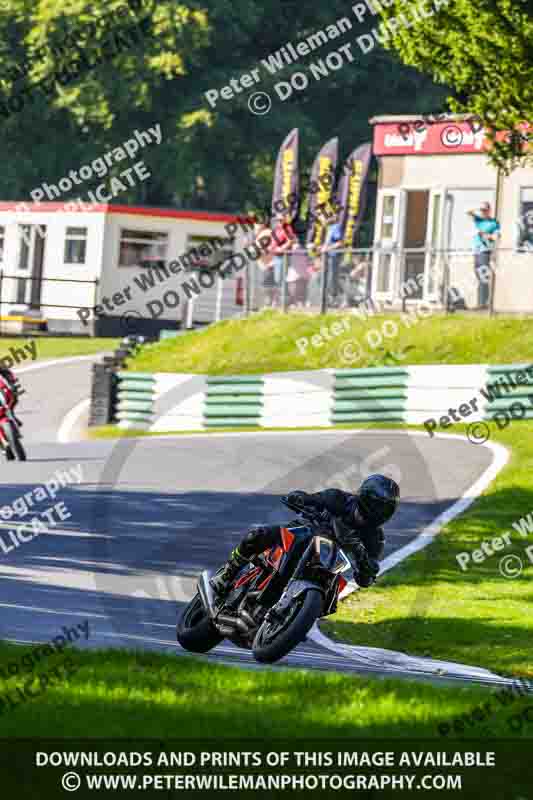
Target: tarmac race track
pixel 149 514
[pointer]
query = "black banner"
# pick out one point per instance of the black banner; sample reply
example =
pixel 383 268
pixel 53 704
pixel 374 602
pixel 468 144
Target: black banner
pixel 352 192
pixel 321 206
pixel 285 194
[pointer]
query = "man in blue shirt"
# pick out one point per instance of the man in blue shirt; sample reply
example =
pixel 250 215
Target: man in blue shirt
pixel 334 242
pixel 487 235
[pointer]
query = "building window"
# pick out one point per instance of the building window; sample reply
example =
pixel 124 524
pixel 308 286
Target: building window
pixel 387 217
pixel 459 230
pixel 207 252
pixel 525 221
pixel 142 248
pixel 75 246
pixel 24 246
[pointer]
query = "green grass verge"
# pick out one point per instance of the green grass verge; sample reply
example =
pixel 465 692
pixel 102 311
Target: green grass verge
pixel 266 342
pixel 114 432
pixel 428 606
pixel 120 693
pixel 58 346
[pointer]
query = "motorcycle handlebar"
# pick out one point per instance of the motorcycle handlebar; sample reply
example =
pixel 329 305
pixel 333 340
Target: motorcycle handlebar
pixel 312 514
pixel 317 517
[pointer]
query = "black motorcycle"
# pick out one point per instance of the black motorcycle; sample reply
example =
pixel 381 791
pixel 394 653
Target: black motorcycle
pixel 275 599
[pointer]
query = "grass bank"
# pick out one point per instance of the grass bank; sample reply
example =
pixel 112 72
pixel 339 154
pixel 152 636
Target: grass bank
pixel 266 342
pixel 58 346
pixel 120 693
pixel 429 606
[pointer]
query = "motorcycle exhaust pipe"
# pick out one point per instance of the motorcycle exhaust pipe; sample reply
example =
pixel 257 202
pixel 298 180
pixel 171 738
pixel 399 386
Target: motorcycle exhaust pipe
pixel 234 622
pixel 206 593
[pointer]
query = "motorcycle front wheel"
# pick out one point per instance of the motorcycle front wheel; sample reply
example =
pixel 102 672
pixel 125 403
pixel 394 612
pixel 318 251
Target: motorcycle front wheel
pixel 195 631
pixel 276 638
pixel 13 439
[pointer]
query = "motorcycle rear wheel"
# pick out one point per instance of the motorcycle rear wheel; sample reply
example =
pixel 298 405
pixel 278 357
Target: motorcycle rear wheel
pixel 15 445
pixel 274 640
pixel 195 631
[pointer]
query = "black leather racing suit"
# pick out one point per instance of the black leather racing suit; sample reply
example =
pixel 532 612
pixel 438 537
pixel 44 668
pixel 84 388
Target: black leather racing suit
pixel 365 561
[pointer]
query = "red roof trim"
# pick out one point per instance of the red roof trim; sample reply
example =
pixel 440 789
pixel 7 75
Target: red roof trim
pixel 106 208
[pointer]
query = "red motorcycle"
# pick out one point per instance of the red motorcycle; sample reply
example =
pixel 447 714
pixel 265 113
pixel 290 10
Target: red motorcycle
pixel 10 434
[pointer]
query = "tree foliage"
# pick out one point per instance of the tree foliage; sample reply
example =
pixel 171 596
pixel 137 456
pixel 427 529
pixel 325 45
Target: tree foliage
pixel 214 158
pixel 484 51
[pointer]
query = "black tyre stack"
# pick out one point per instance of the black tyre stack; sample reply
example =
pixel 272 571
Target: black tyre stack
pixel 105 381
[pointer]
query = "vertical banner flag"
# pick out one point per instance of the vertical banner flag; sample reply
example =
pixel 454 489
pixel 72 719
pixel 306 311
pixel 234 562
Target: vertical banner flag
pixel 321 205
pixel 352 192
pixel 285 195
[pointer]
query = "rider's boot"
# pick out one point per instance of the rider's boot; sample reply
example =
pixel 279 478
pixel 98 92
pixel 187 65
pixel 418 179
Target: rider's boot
pixel 221 582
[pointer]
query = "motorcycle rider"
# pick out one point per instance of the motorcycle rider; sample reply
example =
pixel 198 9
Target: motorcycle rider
pixel 359 517
pixel 13 385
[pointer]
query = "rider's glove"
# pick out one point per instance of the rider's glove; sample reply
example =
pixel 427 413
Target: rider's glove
pixel 367 568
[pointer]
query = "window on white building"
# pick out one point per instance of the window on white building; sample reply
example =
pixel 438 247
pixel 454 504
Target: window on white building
pixel 524 226
pixel 207 252
pixel 459 228
pixel 75 246
pixel 142 248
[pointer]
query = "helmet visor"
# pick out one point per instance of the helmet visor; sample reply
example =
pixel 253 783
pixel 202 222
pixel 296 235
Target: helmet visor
pixel 375 511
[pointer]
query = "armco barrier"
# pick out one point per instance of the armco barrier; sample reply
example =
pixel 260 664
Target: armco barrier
pixel 135 399
pixel 504 394
pixel 319 398
pixel 375 393
pixel 233 401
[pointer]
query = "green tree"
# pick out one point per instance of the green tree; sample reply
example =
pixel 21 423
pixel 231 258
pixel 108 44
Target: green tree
pixel 483 50
pixel 217 158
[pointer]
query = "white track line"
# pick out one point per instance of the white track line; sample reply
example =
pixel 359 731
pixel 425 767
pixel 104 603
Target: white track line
pixel 54 362
pixel 70 420
pixel 426 536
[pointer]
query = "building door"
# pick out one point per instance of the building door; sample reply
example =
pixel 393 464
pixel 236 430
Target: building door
pixel 434 253
pixel 414 244
pixel 386 255
pixel 30 260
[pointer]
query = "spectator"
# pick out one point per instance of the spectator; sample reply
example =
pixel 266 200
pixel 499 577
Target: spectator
pixel 297 275
pixel 334 242
pixel 263 240
pixel 283 239
pixel 358 280
pixel 488 233
pixel 314 272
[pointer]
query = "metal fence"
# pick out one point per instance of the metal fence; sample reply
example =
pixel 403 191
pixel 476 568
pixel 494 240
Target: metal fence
pixel 28 295
pixel 449 279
